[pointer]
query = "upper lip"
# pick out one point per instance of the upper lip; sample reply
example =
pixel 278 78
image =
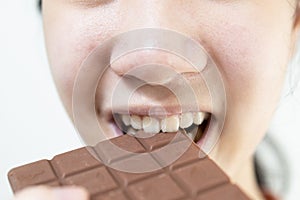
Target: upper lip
pixel 149 105
pixel 147 110
pixel 148 101
pixel 155 102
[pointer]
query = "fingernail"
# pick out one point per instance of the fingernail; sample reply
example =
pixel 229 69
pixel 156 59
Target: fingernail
pixel 70 193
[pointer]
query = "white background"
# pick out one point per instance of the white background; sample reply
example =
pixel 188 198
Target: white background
pixel 33 123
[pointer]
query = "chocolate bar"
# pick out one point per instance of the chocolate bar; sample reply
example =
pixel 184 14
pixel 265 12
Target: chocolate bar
pixel 128 167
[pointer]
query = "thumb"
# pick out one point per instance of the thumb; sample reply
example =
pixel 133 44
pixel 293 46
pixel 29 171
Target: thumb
pixel 47 193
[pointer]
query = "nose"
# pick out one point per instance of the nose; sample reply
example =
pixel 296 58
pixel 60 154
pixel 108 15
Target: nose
pixel 158 14
pixel 147 13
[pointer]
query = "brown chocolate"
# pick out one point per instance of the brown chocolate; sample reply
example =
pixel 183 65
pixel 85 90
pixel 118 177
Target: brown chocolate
pixel 191 176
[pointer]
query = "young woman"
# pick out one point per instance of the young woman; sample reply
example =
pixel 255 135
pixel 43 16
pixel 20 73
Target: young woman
pixel 252 43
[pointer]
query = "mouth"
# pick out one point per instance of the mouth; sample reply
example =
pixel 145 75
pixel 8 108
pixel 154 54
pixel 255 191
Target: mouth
pixel 194 124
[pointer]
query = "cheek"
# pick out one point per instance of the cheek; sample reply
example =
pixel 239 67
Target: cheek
pixel 70 37
pixel 252 54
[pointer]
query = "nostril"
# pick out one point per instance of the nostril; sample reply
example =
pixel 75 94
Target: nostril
pixel 153 60
pixel 153 74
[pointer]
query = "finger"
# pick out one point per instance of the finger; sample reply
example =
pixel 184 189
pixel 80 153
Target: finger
pixel 47 193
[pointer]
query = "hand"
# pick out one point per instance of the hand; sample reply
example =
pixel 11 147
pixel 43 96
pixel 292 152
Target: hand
pixel 48 193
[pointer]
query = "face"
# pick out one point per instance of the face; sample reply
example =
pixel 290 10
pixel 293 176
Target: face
pixel 250 41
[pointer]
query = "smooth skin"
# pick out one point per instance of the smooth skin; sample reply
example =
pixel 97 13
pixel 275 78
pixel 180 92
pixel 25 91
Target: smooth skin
pixel 252 42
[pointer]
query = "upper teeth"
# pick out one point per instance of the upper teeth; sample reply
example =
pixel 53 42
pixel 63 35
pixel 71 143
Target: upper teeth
pixel 186 120
pixel 136 122
pixel 151 124
pixel 169 124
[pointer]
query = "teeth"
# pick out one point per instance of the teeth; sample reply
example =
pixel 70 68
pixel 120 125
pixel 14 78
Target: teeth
pixel 136 122
pixel 151 125
pixel 131 131
pixel 125 119
pixel 170 124
pixel 186 120
pixel 198 117
pixel 192 135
